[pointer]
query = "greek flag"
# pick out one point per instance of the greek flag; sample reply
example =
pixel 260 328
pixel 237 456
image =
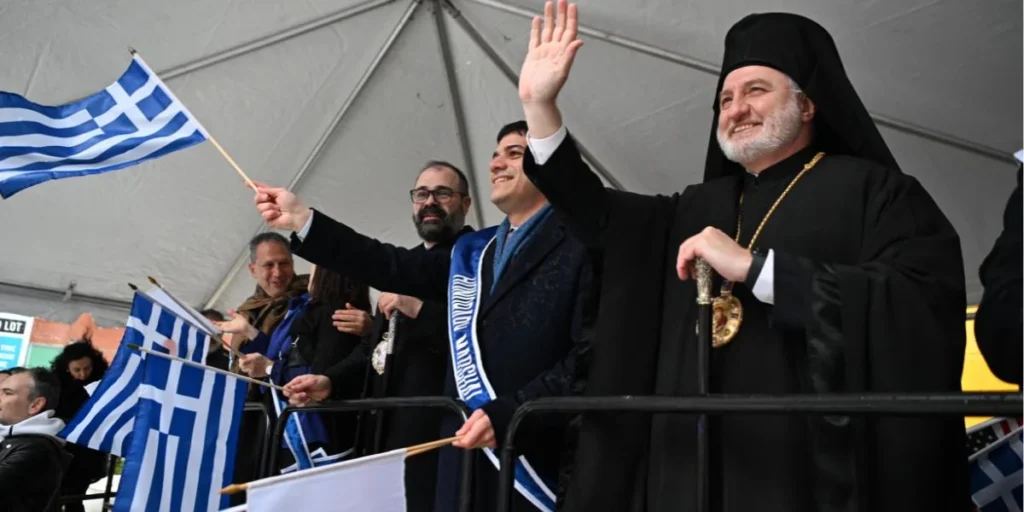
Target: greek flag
pixel 996 475
pixel 106 421
pixel 183 445
pixel 135 119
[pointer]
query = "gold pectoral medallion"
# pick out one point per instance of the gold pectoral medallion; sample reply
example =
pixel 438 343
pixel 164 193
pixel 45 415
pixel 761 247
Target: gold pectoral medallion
pixel 726 317
pixel 727 310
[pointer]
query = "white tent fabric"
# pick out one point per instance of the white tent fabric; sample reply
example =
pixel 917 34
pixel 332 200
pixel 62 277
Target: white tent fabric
pixel 344 100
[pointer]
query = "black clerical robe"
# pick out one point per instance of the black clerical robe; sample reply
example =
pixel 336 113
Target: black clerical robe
pixel 868 297
pixel 417 368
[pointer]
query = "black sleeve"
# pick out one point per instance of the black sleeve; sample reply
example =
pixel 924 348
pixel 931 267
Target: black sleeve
pixel 573 190
pixel 998 321
pixel 433 324
pixel 333 245
pixel 332 345
pixel 898 312
pixel 566 378
pixel 25 467
pixel 347 375
pixel 596 215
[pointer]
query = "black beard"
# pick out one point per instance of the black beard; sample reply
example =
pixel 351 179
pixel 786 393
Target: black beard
pixel 434 232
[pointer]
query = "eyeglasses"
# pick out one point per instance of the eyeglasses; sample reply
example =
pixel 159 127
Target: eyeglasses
pixel 441 195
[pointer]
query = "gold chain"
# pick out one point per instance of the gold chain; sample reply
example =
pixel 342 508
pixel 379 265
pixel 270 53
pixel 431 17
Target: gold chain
pixel 739 219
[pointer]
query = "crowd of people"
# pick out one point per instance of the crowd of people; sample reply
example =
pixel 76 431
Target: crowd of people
pixel 835 272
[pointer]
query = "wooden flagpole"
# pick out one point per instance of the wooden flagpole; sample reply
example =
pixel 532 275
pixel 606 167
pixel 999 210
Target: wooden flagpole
pixel 409 451
pixel 426 447
pixel 204 367
pixel 209 137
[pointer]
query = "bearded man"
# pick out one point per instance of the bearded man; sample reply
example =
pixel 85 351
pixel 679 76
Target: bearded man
pixel 840 273
pixel 440 202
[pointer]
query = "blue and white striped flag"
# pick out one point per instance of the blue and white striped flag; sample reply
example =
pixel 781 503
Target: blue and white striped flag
pixel 135 119
pixel 106 421
pixel 186 431
pixel 997 474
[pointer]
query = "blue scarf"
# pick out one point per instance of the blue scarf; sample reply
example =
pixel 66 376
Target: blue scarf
pixel 505 250
pixel 277 348
pixel 281 338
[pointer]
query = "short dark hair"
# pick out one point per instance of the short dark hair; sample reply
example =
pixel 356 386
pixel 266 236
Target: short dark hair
pixel 435 164
pixel 217 315
pixel 516 127
pixel 263 238
pixel 44 384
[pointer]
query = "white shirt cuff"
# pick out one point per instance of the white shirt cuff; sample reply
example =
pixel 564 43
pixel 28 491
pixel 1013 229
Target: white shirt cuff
pixel 542 149
pixel 305 229
pixel 764 287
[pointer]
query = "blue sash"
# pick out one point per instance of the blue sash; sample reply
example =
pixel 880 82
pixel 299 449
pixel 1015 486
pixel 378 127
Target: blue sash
pixel 295 439
pixel 300 426
pixel 464 291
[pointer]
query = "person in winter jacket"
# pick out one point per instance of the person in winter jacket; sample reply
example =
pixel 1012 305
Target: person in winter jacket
pixel 32 457
pixel 77 366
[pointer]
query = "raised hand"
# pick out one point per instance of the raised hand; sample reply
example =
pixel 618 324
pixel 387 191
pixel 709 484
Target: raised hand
pixel 280 208
pixel 552 50
pixel 238 324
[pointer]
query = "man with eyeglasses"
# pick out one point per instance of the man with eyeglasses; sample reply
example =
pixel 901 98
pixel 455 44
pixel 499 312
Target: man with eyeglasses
pixel 440 201
pixel 518 297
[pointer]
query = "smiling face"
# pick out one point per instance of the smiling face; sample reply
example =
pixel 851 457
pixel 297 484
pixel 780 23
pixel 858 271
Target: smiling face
pixel 763 118
pixel 511 191
pixel 273 268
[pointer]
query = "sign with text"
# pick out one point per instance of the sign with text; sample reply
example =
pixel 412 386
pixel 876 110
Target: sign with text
pixel 15 331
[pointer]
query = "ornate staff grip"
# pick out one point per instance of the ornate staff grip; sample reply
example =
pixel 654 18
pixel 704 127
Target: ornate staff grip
pixel 392 328
pixel 704 285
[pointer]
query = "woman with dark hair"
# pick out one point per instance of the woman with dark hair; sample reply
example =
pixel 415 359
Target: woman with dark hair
pixel 78 365
pixel 304 342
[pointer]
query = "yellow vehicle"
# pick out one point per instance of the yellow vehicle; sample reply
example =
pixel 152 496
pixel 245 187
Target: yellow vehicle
pixel 977 376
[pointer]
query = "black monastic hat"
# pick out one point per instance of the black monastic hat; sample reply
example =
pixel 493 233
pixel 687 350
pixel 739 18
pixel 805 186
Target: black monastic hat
pixel 803 50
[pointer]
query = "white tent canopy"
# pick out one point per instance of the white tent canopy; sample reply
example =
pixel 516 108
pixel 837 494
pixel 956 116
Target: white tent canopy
pixel 345 100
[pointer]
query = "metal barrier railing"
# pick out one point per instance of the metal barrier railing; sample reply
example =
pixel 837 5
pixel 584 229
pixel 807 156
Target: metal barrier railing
pixel 960 404
pixel 105 496
pixel 112 462
pixel 368 404
pixel 268 429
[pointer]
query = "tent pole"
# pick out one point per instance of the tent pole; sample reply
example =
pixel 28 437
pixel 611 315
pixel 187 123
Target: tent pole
pixel 513 76
pixel 460 115
pixel 714 69
pixel 274 38
pixel 314 154
pixel 24 290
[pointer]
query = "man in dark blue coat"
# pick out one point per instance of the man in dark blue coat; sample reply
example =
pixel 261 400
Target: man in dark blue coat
pixel 517 296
